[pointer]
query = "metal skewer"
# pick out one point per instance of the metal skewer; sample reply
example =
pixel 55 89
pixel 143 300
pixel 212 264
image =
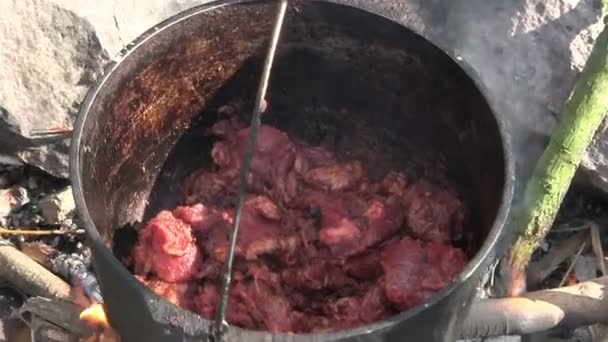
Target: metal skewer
pixel 219 329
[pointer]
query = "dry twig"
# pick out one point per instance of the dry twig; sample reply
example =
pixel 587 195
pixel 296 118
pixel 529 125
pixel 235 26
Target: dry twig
pixel 596 243
pixel 33 232
pixel 541 269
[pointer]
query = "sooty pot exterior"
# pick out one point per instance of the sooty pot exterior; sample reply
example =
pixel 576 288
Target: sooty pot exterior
pixel 132 123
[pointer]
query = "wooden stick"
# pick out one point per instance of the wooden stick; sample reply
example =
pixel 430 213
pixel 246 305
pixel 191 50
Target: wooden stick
pixel 568 307
pixel 581 117
pixel 5 231
pixel 29 276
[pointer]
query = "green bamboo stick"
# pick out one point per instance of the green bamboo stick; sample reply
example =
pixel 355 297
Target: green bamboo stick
pixel 582 115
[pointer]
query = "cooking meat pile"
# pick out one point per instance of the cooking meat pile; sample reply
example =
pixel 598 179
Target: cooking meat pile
pixel 321 246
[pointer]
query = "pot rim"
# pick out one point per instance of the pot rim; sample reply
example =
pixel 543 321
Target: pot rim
pixel 476 262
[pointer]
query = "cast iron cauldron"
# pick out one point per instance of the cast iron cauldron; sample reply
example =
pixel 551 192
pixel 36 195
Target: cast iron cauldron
pixel 375 88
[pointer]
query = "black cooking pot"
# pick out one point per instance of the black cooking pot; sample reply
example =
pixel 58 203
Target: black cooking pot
pixel 371 86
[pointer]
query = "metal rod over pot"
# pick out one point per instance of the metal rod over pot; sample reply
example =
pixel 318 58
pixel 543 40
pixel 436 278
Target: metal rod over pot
pixel 260 106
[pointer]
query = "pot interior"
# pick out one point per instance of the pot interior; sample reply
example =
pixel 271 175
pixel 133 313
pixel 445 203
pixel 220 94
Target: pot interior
pixel 368 87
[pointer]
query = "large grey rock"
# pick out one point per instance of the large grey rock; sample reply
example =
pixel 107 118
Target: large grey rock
pixel 527 52
pixel 117 23
pixel 52 51
pixel 49 57
pixel 594 168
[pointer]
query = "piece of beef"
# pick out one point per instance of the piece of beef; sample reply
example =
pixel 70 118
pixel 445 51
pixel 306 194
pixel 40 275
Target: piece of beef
pixel 211 269
pixel 338 228
pixel 166 248
pixel 415 270
pixel 383 220
pixel 310 157
pixel 201 218
pixel 207 300
pixel 343 311
pixel 265 207
pixel 434 214
pixel 320 246
pixel 180 294
pixel 217 188
pixel 336 177
pixel 227 128
pixel 319 273
pixel 349 230
pixel 271 306
pixel 271 147
pixel 258 235
pixel 238 310
pixel 217 241
pixel 306 323
pixel 395 183
pixel 374 305
pixel 240 307
pixel 364 267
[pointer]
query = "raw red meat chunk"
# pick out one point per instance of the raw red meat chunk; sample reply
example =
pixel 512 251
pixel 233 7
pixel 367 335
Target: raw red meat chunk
pixel 415 270
pixel 166 248
pixel 321 245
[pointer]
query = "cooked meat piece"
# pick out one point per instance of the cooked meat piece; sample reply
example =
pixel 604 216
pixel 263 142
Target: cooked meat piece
pixel 212 188
pixel 415 270
pixel 207 300
pixel 308 157
pixel 266 208
pixel 384 219
pixel 336 177
pixel 271 146
pixel 211 269
pixel 344 310
pixel 375 306
pixel 434 214
pixel 227 128
pixel 305 323
pixel 395 183
pixel 338 230
pixel 257 234
pixel 166 248
pixel 271 306
pixel 319 274
pixel 322 246
pixel 241 304
pixel 364 267
pixel 201 218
